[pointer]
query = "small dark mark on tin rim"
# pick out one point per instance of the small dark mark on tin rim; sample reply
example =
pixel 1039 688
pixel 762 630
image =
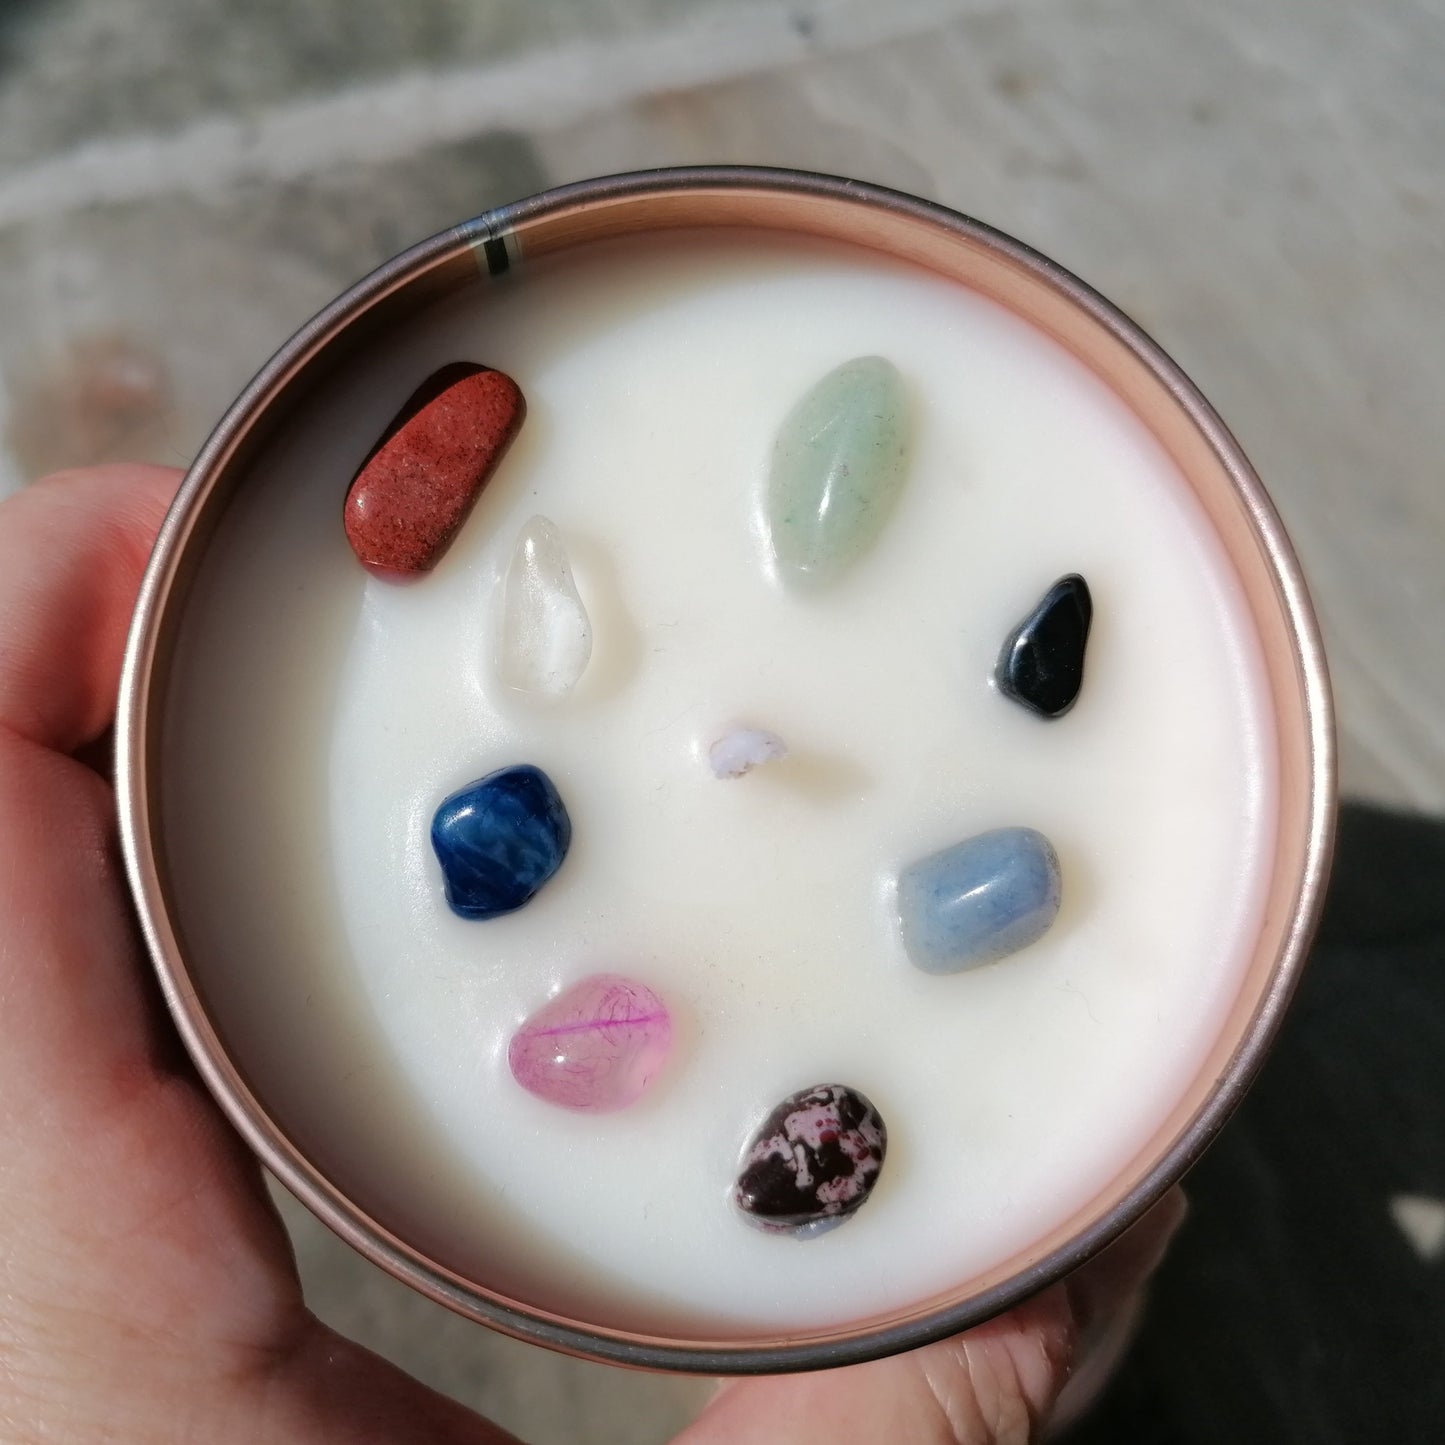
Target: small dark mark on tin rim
pixel 494 248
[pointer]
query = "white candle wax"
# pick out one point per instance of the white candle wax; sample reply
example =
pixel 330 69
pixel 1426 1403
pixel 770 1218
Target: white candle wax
pixel 318 716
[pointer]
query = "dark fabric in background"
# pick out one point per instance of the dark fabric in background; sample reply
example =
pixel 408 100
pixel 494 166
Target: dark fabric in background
pixel 1292 1308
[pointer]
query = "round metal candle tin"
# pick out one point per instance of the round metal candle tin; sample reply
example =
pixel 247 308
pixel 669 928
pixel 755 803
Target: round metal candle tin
pixel 953 246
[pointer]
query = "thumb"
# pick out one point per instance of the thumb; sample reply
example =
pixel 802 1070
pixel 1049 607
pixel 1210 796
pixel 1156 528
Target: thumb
pixel 996 1384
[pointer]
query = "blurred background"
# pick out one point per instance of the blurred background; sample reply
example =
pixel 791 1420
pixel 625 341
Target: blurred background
pixel 1258 182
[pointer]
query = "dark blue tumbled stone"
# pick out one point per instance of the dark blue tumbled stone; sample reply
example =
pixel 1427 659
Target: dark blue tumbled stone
pixel 499 840
pixel 1042 662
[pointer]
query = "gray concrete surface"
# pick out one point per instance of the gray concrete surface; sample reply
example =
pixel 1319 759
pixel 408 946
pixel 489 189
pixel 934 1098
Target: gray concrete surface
pixel 1257 181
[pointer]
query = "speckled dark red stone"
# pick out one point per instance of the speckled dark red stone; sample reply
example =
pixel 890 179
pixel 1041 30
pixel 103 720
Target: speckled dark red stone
pixel 414 491
pixel 812 1162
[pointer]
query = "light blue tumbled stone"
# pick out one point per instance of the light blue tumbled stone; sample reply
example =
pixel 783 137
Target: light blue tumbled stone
pixel 979 900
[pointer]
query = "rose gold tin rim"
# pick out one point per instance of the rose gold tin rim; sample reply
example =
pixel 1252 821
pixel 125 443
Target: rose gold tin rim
pixel 683 197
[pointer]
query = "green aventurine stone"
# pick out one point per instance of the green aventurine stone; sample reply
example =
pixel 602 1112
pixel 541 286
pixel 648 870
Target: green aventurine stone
pixel 837 468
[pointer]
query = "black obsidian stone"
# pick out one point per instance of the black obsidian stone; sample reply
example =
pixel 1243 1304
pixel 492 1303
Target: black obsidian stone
pixel 812 1162
pixel 1042 662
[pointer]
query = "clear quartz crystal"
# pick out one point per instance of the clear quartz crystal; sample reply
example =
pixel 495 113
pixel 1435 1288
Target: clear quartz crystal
pixel 546 636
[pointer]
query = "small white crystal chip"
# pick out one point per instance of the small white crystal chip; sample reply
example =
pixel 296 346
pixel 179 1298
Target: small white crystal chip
pixel 739 750
pixel 545 640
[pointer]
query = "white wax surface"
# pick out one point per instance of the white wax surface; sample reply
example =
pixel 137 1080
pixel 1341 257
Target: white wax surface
pixel 319 716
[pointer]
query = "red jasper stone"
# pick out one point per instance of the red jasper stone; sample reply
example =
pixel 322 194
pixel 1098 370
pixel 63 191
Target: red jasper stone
pixel 414 491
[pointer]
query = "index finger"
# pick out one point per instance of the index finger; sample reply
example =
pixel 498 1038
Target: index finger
pixel 72 551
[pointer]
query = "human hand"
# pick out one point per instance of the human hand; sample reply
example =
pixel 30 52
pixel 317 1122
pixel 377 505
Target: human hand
pixel 149 1293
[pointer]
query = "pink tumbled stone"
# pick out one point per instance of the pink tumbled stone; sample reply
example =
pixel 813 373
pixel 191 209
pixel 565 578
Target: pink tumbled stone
pixel 595 1047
